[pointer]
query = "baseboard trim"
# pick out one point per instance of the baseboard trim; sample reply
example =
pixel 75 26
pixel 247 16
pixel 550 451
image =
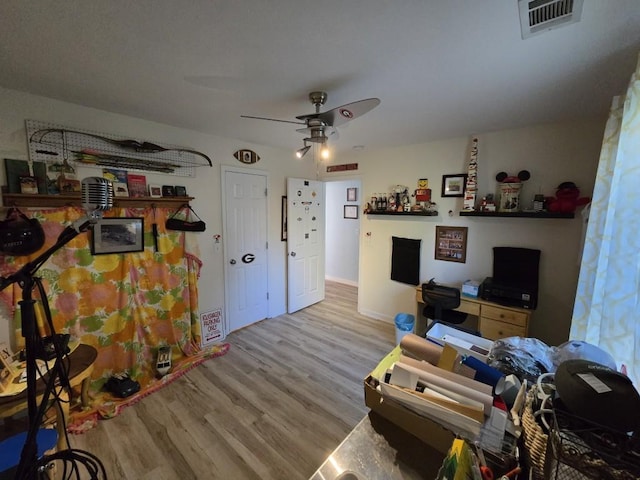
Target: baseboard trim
pixel 341 280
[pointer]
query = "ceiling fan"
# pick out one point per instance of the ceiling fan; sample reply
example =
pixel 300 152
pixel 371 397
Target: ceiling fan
pixel 320 125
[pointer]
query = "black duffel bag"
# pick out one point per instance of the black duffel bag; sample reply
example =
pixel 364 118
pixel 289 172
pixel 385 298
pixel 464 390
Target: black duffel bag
pixel 184 224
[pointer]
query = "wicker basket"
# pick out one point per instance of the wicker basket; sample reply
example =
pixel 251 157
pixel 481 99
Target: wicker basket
pixel 535 440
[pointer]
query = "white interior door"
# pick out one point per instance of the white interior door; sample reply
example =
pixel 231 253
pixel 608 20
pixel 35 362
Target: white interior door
pixel 305 243
pixel 245 253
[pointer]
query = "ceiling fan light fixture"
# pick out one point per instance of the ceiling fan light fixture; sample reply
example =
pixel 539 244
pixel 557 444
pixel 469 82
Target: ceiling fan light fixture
pixel 325 153
pixel 303 151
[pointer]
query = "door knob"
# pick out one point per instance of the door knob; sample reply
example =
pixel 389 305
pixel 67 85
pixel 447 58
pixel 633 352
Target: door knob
pixel 293 254
pixel 232 261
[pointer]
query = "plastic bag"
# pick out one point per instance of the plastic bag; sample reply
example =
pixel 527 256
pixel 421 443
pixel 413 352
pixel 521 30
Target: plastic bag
pixel 579 350
pixel 526 358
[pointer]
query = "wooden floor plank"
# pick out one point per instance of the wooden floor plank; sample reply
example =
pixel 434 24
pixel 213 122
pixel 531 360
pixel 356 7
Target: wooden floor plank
pixel 274 407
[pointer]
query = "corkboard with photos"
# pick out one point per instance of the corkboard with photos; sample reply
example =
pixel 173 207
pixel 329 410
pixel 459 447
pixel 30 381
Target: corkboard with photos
pixel 451 244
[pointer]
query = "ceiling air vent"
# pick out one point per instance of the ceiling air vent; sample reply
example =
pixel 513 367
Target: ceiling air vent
pixel 537 16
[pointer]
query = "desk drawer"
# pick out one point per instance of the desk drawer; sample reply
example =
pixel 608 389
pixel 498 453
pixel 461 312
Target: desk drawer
pixel 470 308
pixel 505 315
pixel 493 329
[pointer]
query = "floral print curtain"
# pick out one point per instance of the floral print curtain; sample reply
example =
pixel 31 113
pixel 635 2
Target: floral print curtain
pixel 125 305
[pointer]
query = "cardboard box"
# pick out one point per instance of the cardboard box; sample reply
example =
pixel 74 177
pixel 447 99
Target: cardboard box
pixel 464 343
pixel 421 427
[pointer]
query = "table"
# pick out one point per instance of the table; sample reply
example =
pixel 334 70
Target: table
pixel 81 361
pixel 378 449
pixel 494 320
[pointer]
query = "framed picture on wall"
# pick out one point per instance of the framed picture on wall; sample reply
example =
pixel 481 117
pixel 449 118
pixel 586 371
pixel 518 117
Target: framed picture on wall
pixel 118 235
pixel 352 194
pixel 451 244
pixel 350 211
pixel 453 185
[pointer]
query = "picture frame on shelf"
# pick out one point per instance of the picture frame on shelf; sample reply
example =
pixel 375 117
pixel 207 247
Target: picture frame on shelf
pixel 351 211
pixel 451 244
pixel 180 191
pixel 118 235
pixel 352 194
pixel 168 191
pixel 155 191
pixel 28 184
pixel 453 185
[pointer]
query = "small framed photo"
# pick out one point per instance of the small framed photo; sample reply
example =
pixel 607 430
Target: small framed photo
pixel 118 235
pixel 451 244
pixel 180 191
pixel 168 191
pixel 350 211
pixel 453 185
pixel 28 184
pixel 155 191
pixel 352 194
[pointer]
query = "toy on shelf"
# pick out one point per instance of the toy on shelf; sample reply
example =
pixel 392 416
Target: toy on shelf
pixel 567 199
pixel 510 190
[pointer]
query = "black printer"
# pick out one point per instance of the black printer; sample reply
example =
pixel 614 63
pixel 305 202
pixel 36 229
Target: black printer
pixel 515 277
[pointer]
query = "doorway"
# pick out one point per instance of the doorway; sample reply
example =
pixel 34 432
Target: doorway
pixel 342 239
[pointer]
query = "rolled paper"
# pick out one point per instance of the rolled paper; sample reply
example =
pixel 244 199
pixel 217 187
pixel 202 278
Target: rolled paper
pixel 421 348
pixel 484 373
pixel 452 376
pixel 508 388
pixel 443 383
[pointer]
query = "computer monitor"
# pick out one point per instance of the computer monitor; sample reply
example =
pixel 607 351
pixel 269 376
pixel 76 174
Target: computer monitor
pixel 516 266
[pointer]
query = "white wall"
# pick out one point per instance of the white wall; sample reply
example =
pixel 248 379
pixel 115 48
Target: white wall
pixel 342 234
pixel 16 107
pixel 552 153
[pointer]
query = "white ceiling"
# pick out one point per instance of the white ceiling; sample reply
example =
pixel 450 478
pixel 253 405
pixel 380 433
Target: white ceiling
pixel 441 68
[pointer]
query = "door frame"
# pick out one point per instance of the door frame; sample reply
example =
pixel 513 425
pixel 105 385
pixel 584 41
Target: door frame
pixel 223 173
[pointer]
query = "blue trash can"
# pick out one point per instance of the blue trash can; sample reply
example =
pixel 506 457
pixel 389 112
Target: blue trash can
pixel 404 325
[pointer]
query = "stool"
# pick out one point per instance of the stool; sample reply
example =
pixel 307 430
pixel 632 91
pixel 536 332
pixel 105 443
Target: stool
pixel 81 361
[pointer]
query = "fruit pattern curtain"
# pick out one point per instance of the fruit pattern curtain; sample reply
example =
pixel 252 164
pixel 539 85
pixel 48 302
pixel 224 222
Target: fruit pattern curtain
pixel 607 306
pixel 125 305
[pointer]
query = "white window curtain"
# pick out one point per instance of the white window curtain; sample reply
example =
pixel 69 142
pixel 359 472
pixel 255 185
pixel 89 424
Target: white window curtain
pixel 607 308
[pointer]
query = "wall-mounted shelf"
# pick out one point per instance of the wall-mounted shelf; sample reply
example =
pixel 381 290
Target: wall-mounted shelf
pixel 43 201
pixel 406 214
pixel 518 214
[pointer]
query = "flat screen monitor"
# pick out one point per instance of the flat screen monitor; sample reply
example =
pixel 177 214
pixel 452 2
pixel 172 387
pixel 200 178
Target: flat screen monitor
pixel 516 266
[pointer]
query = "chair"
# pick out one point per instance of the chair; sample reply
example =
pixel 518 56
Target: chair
pixel 440 302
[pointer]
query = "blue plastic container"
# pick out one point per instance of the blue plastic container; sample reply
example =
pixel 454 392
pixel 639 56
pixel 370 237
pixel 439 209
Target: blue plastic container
pixel 404 325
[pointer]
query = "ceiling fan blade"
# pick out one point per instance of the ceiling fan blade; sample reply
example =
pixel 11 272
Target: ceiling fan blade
pixel 273 119
pixel 343 114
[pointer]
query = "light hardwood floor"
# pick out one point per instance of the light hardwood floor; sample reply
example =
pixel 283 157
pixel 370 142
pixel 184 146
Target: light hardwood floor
pixel 274 407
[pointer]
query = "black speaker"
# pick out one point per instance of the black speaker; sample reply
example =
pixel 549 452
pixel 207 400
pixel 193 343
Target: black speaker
pixel 517 267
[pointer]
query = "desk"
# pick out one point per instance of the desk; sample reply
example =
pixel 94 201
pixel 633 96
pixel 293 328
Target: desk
pixel 494 320
pixel 80 368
